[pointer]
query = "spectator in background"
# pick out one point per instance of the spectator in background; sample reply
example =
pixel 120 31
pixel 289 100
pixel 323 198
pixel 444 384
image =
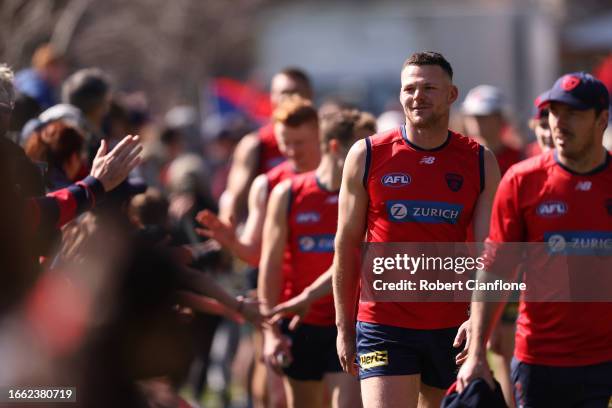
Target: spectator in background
pixel 189 186
pixel 185 119
pixel 29 218
pixel 7 98
pixel 539 125
pixel 116 123
pixel 225 133
pixel 44 77
pixel 485 121
pixel 25 109
pixel 59 146
pixel 89 90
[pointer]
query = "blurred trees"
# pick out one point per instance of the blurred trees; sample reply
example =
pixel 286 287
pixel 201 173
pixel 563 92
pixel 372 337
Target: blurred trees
pixel 163 47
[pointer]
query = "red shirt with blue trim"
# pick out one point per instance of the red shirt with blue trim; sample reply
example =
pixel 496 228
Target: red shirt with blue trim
pixel 312 223
pixel 418 195
pixel 540 200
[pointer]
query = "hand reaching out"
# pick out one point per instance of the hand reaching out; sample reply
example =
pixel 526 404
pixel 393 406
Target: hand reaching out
pixel 223 233
pixel 113 167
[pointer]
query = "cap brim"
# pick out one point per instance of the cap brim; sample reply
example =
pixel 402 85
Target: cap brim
pixel 561 97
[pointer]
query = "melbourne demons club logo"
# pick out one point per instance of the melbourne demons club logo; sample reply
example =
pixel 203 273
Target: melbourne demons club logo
pixel 454 181
pixel 570 82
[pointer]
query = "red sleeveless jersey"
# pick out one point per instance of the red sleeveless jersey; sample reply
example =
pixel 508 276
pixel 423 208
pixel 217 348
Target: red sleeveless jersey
pixel 279 173
pixel 269 155
pixel 539 200
pixel 312 223
pixel 418 195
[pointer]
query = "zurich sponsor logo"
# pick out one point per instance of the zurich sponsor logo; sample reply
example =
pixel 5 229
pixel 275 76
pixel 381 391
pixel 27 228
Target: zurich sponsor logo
pixel 316 243
pixel 552 209
pixel 396 180
pixel 556 243
pixel 428 212
pixel 307 217
pixel 306 244
pixel 579 242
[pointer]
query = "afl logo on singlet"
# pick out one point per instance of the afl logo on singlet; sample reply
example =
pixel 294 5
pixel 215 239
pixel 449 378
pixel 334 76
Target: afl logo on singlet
pixel 552 209
pixel 396 180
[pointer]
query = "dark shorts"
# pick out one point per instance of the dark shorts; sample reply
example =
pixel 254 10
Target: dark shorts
pixel 545 386
pixel 252 274
pixel 387 350
pixel 314 351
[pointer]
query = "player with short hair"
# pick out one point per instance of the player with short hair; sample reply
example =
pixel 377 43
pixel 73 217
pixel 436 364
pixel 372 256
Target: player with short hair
pixel 485 120
pixel 258 152
pixel 442 170
pixel 563 352
pixel 297 125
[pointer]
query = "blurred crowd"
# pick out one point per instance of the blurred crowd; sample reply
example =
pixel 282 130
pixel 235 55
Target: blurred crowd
pixel 118 289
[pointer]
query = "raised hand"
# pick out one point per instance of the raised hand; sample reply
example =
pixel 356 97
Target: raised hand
pixel 114 167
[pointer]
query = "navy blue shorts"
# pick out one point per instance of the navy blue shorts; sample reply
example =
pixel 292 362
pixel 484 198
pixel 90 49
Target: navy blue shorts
pixel 313 349
pixel 577 387
pixel 387 350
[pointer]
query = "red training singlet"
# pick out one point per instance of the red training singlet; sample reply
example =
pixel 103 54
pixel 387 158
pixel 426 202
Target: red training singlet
pixel 279 173
pixel 539 200
pixel 312 222
pixel 418 195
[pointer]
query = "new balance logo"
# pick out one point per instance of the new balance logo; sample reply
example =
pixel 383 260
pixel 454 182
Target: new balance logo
pixel 428 160
pixel 584 185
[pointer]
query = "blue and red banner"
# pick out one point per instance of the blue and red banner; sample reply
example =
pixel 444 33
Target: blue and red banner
pixel 227 96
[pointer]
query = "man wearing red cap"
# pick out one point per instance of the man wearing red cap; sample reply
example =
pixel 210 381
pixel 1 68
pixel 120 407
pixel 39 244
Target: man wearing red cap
pixel 563 353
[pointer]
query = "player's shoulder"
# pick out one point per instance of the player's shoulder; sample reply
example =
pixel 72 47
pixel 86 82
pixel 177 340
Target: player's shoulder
pixel 303 178
pixel 387 137
pixel 461 141
pixel 279 169
pixel 266 132
pixel 301 182
pixel 249 143
pixel 538 163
